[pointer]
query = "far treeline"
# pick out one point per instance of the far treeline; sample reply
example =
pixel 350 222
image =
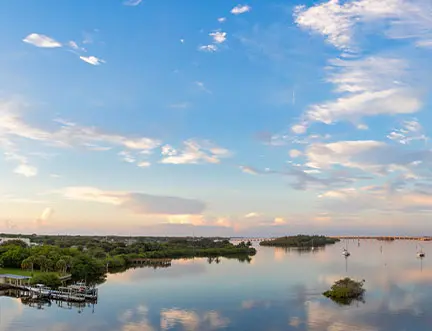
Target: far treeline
pixel 300 241
pixel 92 257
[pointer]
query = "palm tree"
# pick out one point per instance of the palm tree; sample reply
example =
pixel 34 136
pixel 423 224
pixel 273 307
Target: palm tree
pixel 61 266
pixel 42 261
pixel 27 263
pixel 68 261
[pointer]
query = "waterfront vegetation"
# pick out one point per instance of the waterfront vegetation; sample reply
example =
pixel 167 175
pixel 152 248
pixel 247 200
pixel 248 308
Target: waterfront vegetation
pixel 346 290
pixel 302 241
pixel 91 258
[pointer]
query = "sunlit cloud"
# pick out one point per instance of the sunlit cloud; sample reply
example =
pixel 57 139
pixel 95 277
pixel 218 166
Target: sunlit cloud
pixel 139 203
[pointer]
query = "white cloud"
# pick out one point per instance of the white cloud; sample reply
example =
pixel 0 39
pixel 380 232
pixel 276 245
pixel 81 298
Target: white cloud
pixel 144 164
pixel 252 215
pixel 195 152
pixel 221 19
pixel 353 200
pixel 218 36
pixel 410 131
pixel 127 157
pixel 40 40
pixel 362 127
pixel 26 170
pixel 139 203
pixel 208 48
pixel 168 150
pixel 132 2
pixel 295 153
pixel 13 129
pixel 240 9
pixel 374 157
pixel 299 128
pixel 337 21
pixel 368 87
pixel 93 60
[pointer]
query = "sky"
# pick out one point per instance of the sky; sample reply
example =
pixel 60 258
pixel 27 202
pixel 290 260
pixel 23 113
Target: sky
pixel 256 118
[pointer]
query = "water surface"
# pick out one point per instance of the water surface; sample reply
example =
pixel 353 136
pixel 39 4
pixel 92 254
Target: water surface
pixel 277 290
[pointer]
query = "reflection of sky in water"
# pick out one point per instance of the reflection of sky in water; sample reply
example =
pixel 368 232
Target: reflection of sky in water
pixel 279 290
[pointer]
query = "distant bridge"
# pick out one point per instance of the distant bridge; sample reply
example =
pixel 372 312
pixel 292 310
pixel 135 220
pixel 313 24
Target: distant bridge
pixel 418 238
pixel 389 238
pixel 251 239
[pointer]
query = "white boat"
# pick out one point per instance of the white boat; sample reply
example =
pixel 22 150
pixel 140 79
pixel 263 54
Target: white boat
pixel 420 253
pixel 345 250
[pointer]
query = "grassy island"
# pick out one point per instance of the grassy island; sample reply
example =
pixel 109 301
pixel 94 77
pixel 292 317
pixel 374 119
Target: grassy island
pixel 345 290
pixel 302 241
pixel 90 258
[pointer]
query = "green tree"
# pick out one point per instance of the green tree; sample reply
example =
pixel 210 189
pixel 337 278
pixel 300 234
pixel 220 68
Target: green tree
pixel 42 262
pixel 28 263
pixel 61 266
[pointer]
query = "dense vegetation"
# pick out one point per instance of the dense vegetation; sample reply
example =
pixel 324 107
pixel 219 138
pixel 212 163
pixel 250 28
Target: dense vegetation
pixel 345 290
pixel 299 241
pixel 91 257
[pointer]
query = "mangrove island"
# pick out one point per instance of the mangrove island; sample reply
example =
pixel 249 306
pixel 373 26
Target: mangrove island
pixel 346 290
pixel 301 241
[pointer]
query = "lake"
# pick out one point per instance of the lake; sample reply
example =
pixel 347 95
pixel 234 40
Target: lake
pixel 277 290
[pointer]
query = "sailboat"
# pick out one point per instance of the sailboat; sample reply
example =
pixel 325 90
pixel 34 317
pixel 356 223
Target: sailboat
pixel 420 253
pixel 345 251
pixel 312 248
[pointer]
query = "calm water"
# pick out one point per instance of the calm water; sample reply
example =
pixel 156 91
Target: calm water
pixel 278 290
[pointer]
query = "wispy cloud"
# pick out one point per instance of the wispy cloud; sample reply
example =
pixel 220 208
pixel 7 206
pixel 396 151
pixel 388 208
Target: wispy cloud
pixel 13 129
pixel 45 216
pixel 139 203
pixel 202 87
pixel 132 2
pixel 208 48
pixel 367 87
pixel 180 105
pixel 72 44
pixel 221 19
pixel 40 40
pixel 194 152
pixel 93 60
pixel 410 131
pixel 240 9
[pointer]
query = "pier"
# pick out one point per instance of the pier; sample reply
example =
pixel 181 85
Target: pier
pixel 73 293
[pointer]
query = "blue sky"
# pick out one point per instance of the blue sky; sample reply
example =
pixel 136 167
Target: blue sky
pixel 254 118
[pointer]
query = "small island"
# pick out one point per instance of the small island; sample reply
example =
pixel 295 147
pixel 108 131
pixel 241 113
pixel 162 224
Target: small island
pixel 301 241
pixel 346 290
